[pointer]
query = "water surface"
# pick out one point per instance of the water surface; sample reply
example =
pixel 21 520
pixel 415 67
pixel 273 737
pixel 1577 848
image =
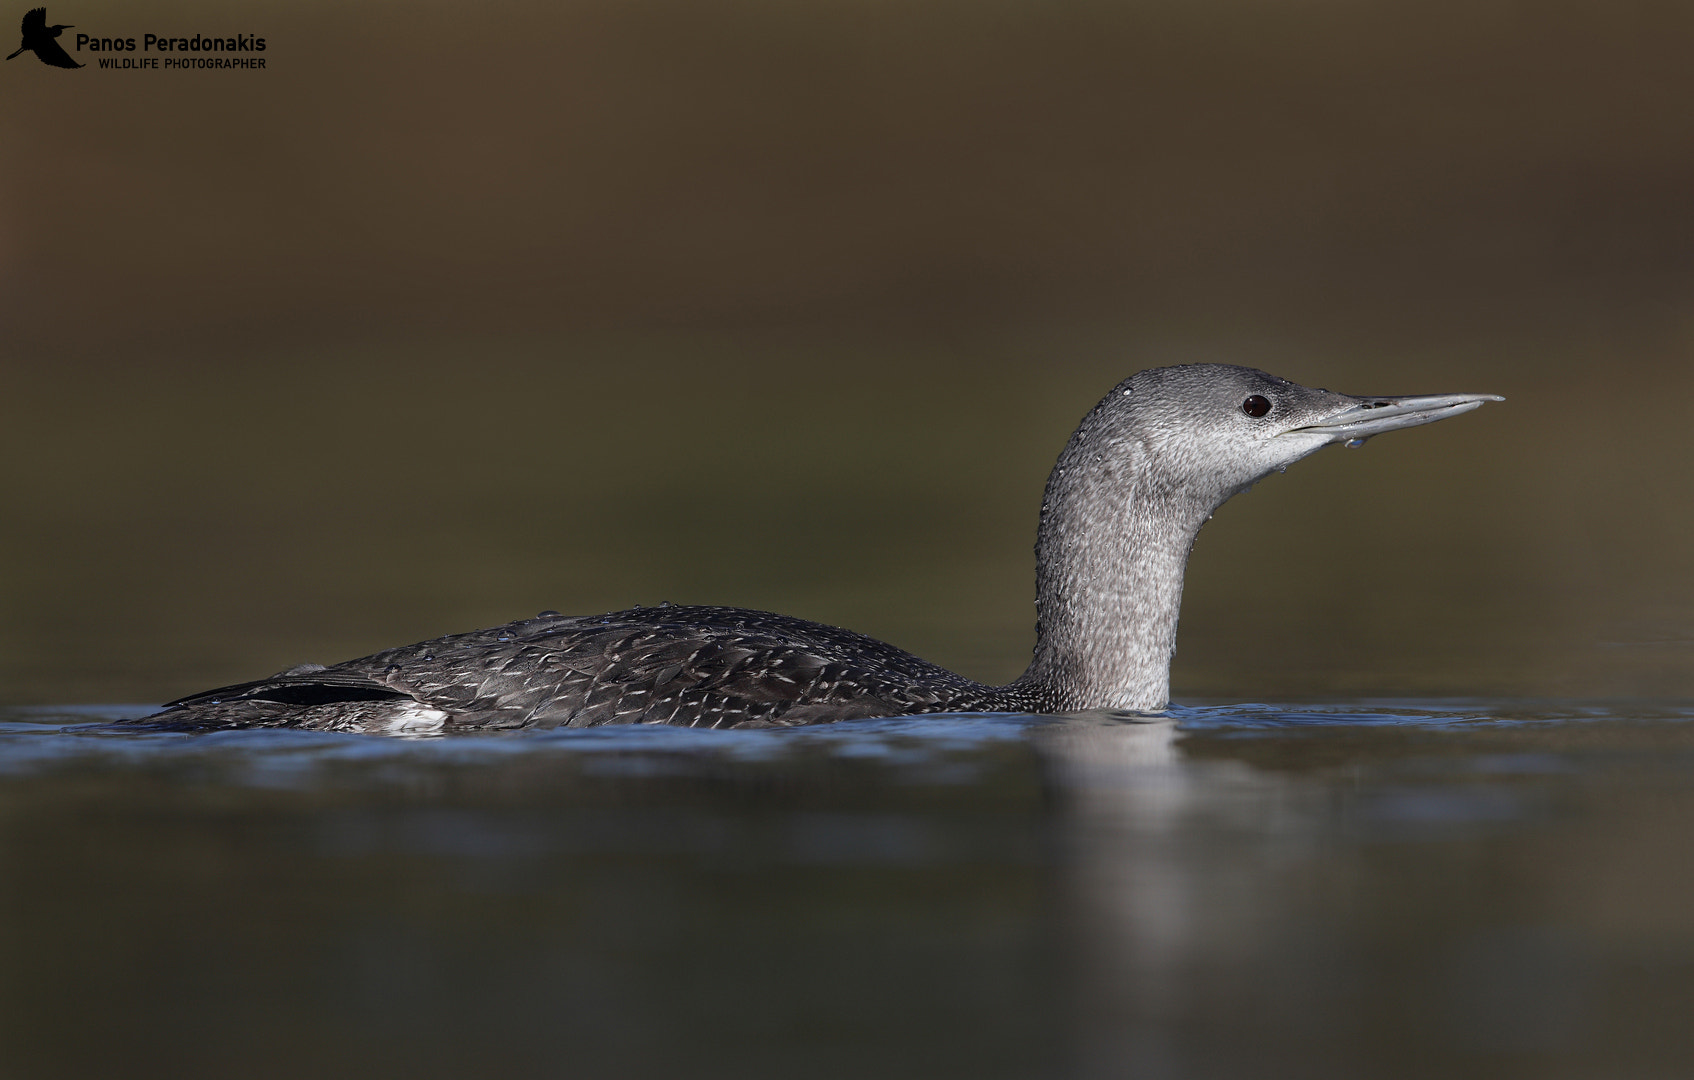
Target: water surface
pixel 1397 888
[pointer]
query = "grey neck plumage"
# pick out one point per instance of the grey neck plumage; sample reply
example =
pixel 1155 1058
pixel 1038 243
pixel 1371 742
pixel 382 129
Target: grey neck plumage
pixel 1110 556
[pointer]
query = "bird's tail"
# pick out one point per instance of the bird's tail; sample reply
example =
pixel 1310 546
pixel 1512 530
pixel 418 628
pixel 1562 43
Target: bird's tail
pixel 16 53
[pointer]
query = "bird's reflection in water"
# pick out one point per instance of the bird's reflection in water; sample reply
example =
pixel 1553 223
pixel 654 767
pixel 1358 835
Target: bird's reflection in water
pixel 1164 879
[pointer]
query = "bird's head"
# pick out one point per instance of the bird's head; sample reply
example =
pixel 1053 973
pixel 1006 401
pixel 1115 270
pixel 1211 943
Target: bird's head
pixel 1204 432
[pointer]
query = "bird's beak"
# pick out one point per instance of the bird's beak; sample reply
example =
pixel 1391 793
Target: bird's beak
pixel 1365 417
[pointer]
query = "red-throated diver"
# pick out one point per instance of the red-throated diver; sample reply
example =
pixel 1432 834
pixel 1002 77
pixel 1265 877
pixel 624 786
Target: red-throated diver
pixel 1146 468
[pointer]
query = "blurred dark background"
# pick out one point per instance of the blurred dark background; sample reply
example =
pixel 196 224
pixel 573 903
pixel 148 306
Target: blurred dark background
pixel 451 315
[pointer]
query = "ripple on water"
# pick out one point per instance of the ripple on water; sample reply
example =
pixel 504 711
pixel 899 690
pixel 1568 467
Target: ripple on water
pixel 941 748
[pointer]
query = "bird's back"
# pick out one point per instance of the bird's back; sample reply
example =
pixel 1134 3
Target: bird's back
pixel 690 666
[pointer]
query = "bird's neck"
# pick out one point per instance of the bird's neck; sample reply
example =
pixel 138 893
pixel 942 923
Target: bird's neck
pixel 1110 557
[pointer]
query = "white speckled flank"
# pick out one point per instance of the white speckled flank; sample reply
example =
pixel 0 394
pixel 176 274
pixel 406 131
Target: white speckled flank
pixel 413 719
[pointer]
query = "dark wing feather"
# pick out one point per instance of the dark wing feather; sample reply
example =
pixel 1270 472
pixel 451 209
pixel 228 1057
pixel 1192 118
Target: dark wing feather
pixel 35 21
pixel 305 685
pixel 309 696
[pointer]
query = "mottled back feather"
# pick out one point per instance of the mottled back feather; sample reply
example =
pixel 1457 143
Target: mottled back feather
pixel 690 666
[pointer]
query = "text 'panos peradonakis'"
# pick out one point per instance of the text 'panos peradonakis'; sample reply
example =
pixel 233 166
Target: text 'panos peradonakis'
pixel 155 43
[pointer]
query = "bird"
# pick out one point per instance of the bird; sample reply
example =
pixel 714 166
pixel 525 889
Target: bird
pixel 1122 507
pixel 39 37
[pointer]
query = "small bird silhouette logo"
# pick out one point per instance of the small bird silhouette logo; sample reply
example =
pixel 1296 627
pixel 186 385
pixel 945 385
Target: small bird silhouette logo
pixel 38 37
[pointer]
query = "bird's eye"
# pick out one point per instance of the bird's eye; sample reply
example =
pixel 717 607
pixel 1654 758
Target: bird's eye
pixel 1256 406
